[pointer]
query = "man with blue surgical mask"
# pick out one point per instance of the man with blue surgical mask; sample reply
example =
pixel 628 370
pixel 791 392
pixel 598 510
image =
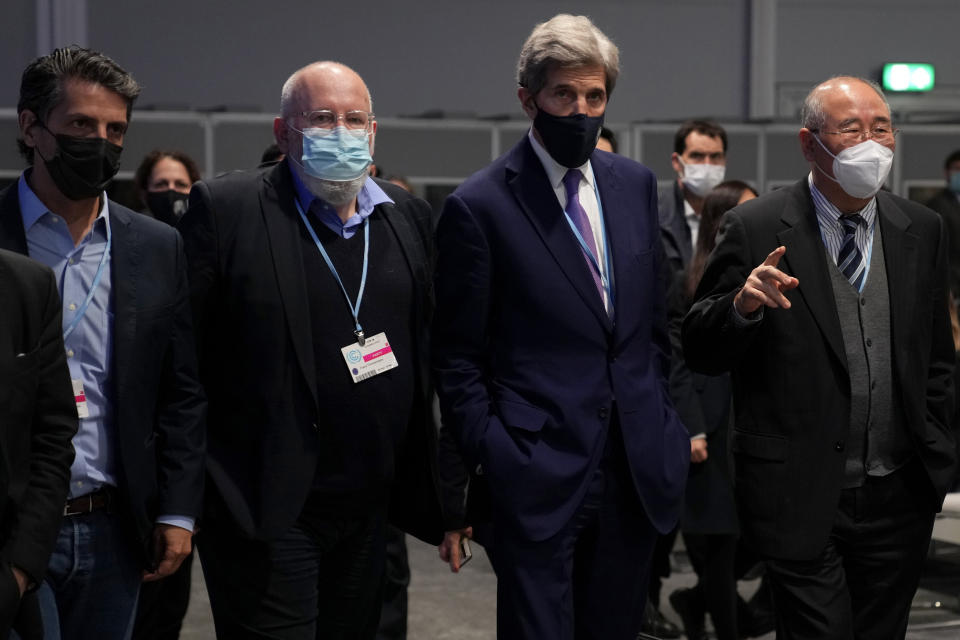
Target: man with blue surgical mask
pixel 310 285
pixel 699 159
pixel 842 360
pixel 947 204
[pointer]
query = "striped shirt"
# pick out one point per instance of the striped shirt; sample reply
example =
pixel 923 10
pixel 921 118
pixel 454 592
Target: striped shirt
pixel 831 229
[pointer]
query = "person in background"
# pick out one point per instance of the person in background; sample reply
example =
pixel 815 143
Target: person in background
pixel 828 303
pixel 947 204
pixel 38 419
pixel 607 140
pixel 699 160
pixel 163 182
pixel 709 521
pixel 136 482
pixel 271 156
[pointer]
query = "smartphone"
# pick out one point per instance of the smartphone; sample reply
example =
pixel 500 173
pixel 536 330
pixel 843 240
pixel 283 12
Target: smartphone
pixel 465 553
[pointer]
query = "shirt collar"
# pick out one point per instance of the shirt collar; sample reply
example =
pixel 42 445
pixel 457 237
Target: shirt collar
pixel 688 211
pixel 828 212
pixel 369 197
pixel 32 208
pixel 555 170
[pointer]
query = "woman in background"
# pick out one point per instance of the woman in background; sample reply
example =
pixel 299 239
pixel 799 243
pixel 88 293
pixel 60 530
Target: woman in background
pixel 709 522
pixel 163 181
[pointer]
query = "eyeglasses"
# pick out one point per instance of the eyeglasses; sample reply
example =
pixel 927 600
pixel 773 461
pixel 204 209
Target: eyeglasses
pixel 326 119
pixel 851 135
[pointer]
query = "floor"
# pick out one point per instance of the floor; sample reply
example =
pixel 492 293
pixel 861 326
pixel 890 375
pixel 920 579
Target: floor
pixel 447 606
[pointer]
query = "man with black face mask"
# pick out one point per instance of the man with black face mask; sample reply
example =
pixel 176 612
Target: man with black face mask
pixel 137 478
pixel 549 350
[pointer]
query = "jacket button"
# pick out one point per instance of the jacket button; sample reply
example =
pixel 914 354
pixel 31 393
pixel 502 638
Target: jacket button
pixel 869 342
pixel 602 413
pixel 838 445
pixel 315 427
pixel 479 470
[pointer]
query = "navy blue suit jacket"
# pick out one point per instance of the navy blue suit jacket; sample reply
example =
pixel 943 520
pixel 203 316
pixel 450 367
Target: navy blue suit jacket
pixel 159 404
pixel 530 366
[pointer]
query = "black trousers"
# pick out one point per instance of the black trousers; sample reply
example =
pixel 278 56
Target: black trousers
pixel 713 556
pixel 863 581
pixel 393 612
pixel 162 604
pixel 321 580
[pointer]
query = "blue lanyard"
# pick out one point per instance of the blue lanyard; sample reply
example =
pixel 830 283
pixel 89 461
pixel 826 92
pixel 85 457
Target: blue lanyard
pixel 605 280
pixel 354 308
pixel 93 287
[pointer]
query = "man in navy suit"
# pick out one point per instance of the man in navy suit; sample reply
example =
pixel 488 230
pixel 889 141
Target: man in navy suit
pixel 136 482
pixel 550 348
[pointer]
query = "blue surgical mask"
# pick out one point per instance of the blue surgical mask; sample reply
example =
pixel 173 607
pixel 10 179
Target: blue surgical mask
pixel 338 154
pixel 954 181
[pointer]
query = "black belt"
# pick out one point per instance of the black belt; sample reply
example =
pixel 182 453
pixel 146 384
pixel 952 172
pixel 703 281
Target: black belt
pixel 96 501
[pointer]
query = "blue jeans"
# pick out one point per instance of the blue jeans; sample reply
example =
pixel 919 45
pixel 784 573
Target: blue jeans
pixel 92 580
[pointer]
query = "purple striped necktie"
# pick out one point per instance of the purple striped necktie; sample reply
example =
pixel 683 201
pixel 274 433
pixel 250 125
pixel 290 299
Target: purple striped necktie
pixel 571 182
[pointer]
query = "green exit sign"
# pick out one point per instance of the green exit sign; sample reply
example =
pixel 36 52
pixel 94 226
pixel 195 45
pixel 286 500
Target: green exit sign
pixel 907 76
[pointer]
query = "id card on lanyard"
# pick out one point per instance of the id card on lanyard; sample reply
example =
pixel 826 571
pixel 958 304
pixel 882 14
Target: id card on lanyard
pixel 368 356
pixel 79 395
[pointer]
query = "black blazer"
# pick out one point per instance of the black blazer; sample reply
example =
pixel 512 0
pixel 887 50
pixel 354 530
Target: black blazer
pixel 704 405
pixel 791 385
pixel 256 356
pixel 38 417
pixel 674 230
pixel 157 398
pixel 946 204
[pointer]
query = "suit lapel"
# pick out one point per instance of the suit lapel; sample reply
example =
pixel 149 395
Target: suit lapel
pixel 12 235
pixel 282 222
pixel 620 230
pixel 900 253
pixel 527 180
pixel 805 259
pixel 125 276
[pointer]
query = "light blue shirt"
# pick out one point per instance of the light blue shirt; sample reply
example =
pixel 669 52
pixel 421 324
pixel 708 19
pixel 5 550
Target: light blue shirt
pixel 90 345
pixel 369 197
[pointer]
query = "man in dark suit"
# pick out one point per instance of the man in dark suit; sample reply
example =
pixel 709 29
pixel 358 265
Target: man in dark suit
pixel 947 204
pixel 39 420
pixel 550 350
pixel 840 347
pixel 137 480
pixel 699 159
pixel 311 292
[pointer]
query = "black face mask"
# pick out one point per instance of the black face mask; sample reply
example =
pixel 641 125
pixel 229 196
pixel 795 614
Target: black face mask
pixel 82 167
pixel 568 139
pixel 168 205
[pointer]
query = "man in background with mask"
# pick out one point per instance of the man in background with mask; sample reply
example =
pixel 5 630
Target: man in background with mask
pixel 947 204
pixel 550 351
pixel 137 478
pixel 699 159
pixel 311 294
pixel 827 301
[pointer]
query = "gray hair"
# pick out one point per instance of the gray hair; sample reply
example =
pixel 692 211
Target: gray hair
pixel 567 41
pixel 289 90
pixel 42 82
pixel 812 115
